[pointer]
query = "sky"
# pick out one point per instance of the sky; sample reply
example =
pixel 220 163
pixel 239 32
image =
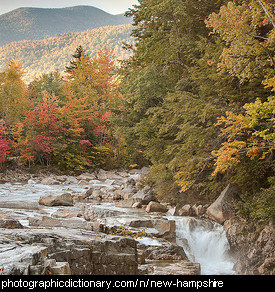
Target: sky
pixel 111 6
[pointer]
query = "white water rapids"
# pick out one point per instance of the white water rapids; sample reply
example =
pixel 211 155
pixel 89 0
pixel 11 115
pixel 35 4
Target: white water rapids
pixel 204 242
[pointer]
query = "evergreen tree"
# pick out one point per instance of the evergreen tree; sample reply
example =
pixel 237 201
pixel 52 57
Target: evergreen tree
pixel 77 55
pixel 174 92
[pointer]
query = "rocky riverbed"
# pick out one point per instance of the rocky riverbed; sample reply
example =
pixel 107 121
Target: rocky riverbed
pixel 77 225
pixel 105 222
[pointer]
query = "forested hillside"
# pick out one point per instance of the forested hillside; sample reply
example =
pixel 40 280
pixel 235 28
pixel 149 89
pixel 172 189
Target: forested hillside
pixel 44 56
pixel 195 102
pixel 40 23
pixel 199 99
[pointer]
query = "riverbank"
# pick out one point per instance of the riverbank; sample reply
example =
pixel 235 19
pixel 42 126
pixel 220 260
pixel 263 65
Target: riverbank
pixel 102 209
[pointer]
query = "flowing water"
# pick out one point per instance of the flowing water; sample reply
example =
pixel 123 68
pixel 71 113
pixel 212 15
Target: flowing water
pixel 204 242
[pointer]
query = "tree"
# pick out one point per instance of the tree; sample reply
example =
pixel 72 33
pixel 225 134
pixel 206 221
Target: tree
pixel 51 82
pixel 249 36
pixel 170 104
pixel 4 144
pixel 78 54
pixel 13 93
pixel 44 128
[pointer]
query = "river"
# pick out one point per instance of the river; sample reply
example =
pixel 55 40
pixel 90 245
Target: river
pixel 204 241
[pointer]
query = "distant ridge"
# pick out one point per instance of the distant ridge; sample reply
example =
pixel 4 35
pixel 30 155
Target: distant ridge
pixel 40 23
pixel 47 55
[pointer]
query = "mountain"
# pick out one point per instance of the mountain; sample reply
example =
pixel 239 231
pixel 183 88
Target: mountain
pixel 40 23
pixel 44 56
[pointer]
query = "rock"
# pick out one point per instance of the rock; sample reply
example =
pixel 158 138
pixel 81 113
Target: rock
pixel 127 203
pixel 184 267
pixel 222 209
pixel 69 223
pixel 172 211
pixel 156 207
pixel 137 205
pixel 31 182
pixel 145 196
pixel 268 267
pixel 60 268
pixel 147 223
pixel 185 210
pixel 86 176
pixel 57 251
pixel 92 212
pixel 10 224
pixel 130 182
pixel 198 210
pixel 61 200
pixel 166 252
pixel 64 213
pixel 166 228
pixel 49 181
pixel 94 194
pixel 71 180
pixel 61 178
pixel 252 247
pixel 128 193
pixel 82 182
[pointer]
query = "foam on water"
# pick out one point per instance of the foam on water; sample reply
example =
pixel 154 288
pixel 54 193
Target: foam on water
pixel 205 242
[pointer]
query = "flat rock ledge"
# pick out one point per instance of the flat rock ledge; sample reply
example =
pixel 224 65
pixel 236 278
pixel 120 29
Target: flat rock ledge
pixel 59 252
pixel 54 251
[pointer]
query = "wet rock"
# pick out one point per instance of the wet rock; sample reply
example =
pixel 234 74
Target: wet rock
pixel 156 207
pixel 10 224
pixel 61 200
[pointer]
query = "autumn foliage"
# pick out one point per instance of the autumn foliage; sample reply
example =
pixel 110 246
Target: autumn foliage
pixel 67 125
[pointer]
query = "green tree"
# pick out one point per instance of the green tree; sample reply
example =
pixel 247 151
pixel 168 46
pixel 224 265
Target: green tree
pixel 13 93
pixel 180 81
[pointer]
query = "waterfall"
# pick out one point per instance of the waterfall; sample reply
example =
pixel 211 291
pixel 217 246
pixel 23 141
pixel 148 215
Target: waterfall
pixel 204 242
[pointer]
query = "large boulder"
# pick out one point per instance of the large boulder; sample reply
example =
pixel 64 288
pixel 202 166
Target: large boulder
pixel 223 208
pixel 145 196
pixel 156 207
pixel 61 200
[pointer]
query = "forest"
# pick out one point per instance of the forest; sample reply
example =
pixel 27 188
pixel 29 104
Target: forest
pixel 50 54
pixel 194 102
